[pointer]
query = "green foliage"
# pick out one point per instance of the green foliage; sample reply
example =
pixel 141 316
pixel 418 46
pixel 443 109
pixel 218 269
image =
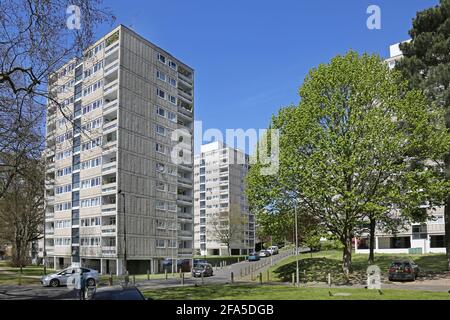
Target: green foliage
pixel 359 142
pixel 426 65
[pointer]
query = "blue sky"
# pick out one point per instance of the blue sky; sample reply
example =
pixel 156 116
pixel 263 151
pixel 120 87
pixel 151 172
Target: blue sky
pixel 251 56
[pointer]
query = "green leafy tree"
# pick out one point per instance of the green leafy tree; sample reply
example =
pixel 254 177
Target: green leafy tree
pixel 349 146
pixel 426 64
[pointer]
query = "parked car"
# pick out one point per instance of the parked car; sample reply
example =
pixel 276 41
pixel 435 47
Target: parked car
pixel 264 253
pixel 183 264
pixel 403 270
pixel 253 257
pixel 199 261
pixel 60 278
pixel 117 293
pixel 273 250
pixel 202 268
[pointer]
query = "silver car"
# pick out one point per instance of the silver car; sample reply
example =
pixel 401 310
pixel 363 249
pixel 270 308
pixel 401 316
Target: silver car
pixel 60 278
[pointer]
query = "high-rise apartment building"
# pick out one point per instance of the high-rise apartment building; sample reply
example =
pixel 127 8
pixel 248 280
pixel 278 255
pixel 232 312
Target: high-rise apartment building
pixel 116 188
pixel 221 212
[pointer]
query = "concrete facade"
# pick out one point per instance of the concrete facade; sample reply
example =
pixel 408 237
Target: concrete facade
pixel 127 106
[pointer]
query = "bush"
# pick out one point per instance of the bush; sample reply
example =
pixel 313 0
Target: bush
pixel 331 245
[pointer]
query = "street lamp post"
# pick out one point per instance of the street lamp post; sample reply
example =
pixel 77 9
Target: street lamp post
pixel 296 245
pixel 124 231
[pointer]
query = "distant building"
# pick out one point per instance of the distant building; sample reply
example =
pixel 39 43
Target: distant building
pixel 428 237
pixel 219 188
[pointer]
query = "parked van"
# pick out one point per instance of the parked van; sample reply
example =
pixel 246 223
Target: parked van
pixel 273 250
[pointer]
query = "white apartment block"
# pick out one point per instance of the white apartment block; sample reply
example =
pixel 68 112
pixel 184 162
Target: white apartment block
pixel 428 237
pixel 219 188
pixel 115 189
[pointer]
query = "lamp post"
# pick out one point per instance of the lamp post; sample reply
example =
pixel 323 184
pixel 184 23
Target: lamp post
pixel 124 231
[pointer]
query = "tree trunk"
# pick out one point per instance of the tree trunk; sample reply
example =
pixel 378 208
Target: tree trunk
pixel 347 254
pixel 372 240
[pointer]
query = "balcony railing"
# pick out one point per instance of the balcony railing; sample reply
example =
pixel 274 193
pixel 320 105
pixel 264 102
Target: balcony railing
pixel 108 251
pixel 109 229
pixel 109 125
pixel 110 105
pixel 111 67
pixel 110 86
pixel 184 198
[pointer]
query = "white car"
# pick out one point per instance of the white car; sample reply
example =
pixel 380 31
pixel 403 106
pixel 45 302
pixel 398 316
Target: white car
pixel 273 250
pixel 60 278
pixel 264 253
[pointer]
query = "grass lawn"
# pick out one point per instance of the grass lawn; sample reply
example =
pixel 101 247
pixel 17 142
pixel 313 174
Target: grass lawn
pixel 30 274
pixel 279 292
pixel 321 263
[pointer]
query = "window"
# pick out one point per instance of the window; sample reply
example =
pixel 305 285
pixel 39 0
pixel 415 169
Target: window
pixel 172 64
pixel 92 202
pixel 161 58
pixel 63 206
pixel 92 106
pixel 160 148
pixel 90 183
pixel 160 130
pixel 160 224
pixel 172 99
pixel 91 222
pixel 172 82
pixel 160 93
pixel 171 243
pixel 91 163
pixel 63 172
pixel 61 224
pixel 171 206
pixel 160 111
pixel 172 116
pixel 63 154
pixel 93 87
pixel 93 124
pixel 437 241
pixel 161 186
pixel 160 243
pixel 63 189
pixel 161 205
pixel 160 75
pixel 419 232
pixel 91 144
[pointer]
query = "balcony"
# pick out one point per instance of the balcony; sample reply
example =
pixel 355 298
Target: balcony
pixel 111 86
pixel 109 230
pixel 110 68
pixel 185 181
pixel 184 198
pixel 90 251
pixel 109 167
pixel 108 251
pixel 109 187
pixel 107 126
pixel 109 208
pixel 110 105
